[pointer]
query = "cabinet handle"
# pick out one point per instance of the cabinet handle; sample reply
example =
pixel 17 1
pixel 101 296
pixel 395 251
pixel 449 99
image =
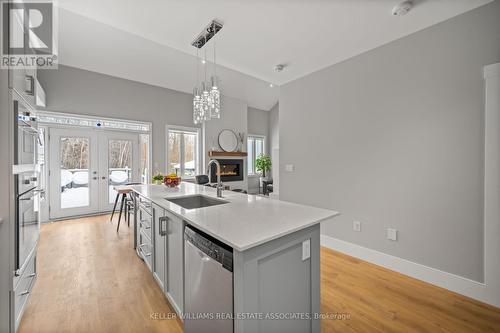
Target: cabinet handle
pixel 163 226
pixel 24 293
pixel 144 253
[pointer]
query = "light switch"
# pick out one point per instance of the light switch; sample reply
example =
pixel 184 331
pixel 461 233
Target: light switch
pixel 306 249
pixel 392 234
pixel 356 226
pixel 289 168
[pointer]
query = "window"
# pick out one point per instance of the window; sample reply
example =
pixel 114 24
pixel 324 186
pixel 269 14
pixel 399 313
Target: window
pixel 183 151
pixel 255 149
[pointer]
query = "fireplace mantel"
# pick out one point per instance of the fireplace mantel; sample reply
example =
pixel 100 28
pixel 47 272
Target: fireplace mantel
pixel 214 153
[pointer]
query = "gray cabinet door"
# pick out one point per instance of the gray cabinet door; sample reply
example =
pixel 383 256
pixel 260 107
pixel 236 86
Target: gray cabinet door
pixel 159 239
pixel 175 262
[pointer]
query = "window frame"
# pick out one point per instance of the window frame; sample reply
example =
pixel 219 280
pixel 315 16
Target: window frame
pixel 198 154
pixel 254 157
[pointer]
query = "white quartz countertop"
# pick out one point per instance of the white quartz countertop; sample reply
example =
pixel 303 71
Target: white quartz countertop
pixel 242 223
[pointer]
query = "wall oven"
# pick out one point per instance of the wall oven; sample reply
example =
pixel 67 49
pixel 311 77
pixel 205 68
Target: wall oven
pixel 26 135
pixel 27 227
pixel 26 189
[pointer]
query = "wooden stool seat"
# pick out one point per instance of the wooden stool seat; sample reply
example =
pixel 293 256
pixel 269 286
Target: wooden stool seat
pixel 123 191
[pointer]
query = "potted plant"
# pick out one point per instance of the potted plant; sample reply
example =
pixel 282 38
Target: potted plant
pixel 263 164
pixel 158 178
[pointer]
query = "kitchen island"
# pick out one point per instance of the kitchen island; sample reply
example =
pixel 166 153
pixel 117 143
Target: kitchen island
pixel 270 251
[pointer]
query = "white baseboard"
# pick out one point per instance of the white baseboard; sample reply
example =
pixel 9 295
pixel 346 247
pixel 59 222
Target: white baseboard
pixel 455 283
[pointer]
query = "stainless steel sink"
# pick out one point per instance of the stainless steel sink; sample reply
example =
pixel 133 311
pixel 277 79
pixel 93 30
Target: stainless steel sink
pixel 196 201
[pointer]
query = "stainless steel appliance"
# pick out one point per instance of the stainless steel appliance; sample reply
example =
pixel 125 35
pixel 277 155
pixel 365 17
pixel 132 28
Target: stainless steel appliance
pixel 26 135
pixel 27 143
pixel 27 227
pixel 208 289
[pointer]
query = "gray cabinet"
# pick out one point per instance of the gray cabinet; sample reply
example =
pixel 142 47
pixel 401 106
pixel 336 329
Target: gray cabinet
pixel 160 246
pixel 23 80
pixel 145 232
pixel 279 276
pixel 175 262
pixel 22 288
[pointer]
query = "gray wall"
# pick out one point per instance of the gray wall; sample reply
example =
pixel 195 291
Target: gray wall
pixel 395 138
pixel 233 117
pixel 258 123
pixel 78 91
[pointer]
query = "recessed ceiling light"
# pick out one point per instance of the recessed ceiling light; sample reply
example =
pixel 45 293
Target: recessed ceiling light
pixel 203 61
pixel 402 8
pixel 271 85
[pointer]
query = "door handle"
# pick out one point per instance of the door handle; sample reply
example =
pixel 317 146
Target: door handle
pixel 30 85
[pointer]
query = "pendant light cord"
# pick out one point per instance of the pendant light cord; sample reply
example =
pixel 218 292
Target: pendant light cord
pixel 197 66
pixel 206 65
pixel 215 60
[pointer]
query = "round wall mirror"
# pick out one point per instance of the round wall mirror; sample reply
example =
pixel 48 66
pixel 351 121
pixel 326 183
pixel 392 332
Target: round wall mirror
pixel 228 141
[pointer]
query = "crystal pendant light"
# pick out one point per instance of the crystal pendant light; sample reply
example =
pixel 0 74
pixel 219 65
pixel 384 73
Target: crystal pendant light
pixel 205 101
pixel 215 99
pixel 197 117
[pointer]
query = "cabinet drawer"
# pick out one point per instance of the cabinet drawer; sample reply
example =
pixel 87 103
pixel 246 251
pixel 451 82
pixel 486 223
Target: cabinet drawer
pixel 23 288
pixel 145 223
pixel 145 205
pixel 146 250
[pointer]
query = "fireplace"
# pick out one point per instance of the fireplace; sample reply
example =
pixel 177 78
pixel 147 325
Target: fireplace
pixel 231 170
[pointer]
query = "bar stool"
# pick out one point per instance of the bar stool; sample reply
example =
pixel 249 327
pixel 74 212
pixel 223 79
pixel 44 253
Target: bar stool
pixel 123 191
pixel 129 204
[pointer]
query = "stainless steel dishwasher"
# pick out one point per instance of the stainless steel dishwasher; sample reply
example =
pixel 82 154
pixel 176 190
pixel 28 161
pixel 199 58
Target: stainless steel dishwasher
pixel 208 289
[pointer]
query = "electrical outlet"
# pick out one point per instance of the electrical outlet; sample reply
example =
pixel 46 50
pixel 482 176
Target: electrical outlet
pixel 289 168
pixel 392 234
pixel 306 249
pixel 356 226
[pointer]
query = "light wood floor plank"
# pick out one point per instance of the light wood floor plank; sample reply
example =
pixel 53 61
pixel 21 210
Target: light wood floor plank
pixel 91 280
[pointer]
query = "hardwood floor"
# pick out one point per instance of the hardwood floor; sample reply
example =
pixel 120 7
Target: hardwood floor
pixel 90 280
pixel 380 300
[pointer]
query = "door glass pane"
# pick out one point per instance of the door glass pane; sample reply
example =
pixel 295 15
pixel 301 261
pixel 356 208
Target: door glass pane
pixel 190 154
pixel 174 152
pixel 119 165
pixel 250 157
pixel 74 157
pixel 259 147
pixel 144 156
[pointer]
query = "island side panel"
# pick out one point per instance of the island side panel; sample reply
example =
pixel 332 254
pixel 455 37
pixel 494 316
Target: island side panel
pixel 273 279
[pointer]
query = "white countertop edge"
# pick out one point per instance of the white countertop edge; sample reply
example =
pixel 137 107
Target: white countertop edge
pixel 240 248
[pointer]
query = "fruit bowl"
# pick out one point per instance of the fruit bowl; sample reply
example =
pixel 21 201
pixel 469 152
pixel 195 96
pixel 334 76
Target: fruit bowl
pixel 172 180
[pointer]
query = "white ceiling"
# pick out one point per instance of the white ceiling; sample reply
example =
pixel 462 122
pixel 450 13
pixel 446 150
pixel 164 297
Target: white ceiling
pixel 307 35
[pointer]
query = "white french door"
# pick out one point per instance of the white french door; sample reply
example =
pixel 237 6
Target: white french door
pixel 85 165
